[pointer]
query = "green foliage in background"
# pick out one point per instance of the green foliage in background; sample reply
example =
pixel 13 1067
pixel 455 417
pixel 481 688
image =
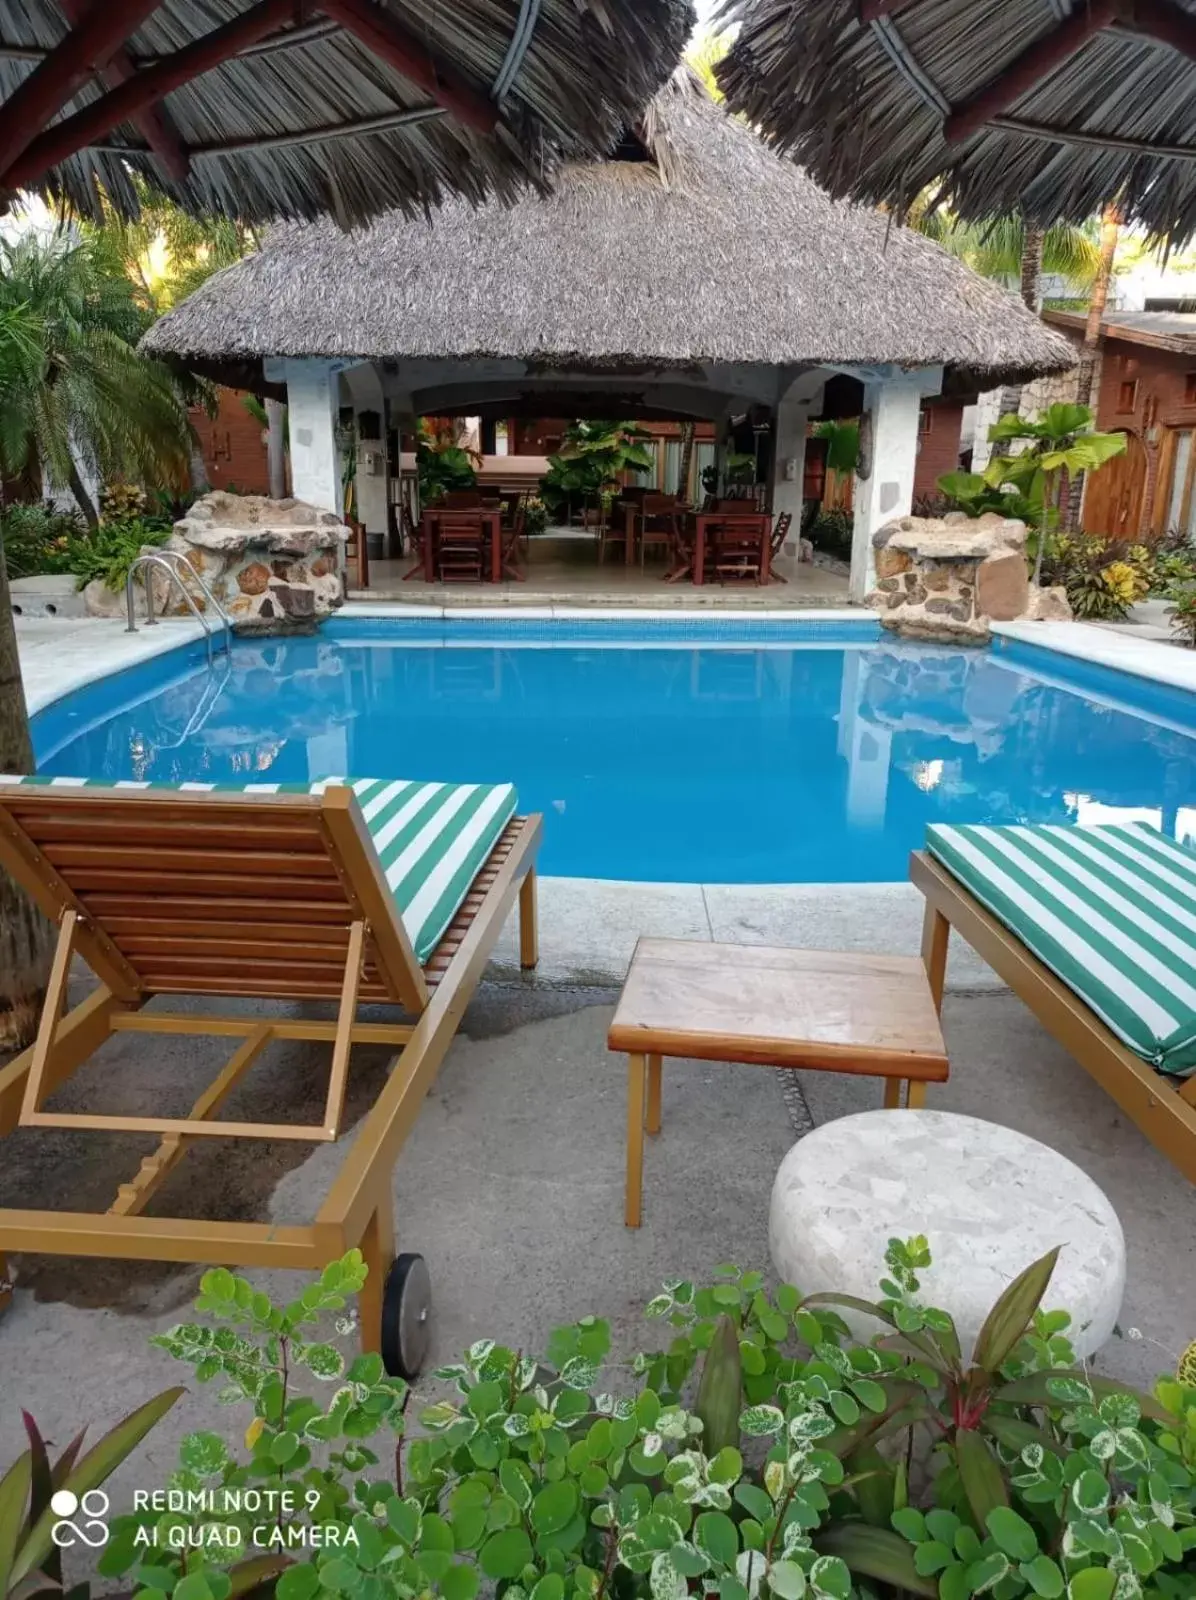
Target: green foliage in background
pixel 76 398
pixel 592 461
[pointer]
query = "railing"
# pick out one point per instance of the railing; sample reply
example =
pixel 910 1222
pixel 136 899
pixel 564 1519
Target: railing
pixel 165 559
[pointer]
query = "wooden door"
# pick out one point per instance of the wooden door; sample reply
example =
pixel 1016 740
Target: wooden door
pixel 1113 496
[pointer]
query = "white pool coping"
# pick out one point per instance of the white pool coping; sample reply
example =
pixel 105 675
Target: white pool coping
pixel 381 609
pixel 61 654
pixel 1108 647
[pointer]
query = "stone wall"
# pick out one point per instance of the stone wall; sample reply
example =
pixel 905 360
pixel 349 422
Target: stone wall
pixel 274 565
pixel 948 577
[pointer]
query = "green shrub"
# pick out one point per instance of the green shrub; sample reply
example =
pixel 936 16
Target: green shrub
pixel 760 1454
pixel 1183 616
pixel 535 515
pixel 110 551
pixel 36 539
pixel 831 531
pixel 1103 577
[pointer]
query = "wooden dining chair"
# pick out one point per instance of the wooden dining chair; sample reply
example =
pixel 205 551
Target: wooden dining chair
pixel 513 538
pixel 414 533
pixel 658 523
pixel 357 555
pixel 735 547
pixel 461 499
pixel 780 533
pixel 460 547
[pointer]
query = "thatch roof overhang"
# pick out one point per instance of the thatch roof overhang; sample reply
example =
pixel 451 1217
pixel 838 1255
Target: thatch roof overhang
pixel 1054 108
pixel 716 267
pixel 343 107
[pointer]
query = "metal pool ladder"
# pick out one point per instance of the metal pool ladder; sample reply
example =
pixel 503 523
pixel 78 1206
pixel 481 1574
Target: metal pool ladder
pixel 167 559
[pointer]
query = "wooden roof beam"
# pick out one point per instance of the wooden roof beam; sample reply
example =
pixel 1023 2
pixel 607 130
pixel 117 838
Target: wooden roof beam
pixel 381 34
pixel 153 123
pixel 1034 64
pixel 86 48
pixel 143 89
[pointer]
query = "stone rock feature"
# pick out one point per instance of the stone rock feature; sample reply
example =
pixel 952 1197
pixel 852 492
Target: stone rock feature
pixel 947 578
pixel 274 565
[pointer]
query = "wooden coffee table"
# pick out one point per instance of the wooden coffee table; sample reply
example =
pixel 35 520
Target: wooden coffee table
pixel 830 1010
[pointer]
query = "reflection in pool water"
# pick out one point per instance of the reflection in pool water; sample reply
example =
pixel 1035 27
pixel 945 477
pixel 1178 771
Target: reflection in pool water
pixel 821 761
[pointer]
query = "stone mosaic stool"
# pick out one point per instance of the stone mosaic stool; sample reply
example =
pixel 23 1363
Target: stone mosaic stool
pixel 989 1200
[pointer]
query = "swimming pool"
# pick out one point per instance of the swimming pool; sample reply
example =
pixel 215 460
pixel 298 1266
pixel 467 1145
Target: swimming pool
pixel 720 752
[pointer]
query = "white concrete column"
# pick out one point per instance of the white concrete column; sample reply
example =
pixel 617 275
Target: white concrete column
pixel 313 401
pixel 884 484
pixel 364 384
pixel 789 459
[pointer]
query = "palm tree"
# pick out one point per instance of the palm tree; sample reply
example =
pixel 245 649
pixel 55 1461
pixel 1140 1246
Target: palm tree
pixel 89 401
pixel 25 935
pixel 1110 232
pixel 1007 249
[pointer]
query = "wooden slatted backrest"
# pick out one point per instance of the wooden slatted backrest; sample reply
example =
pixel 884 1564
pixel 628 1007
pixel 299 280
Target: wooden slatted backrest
pixel 209 892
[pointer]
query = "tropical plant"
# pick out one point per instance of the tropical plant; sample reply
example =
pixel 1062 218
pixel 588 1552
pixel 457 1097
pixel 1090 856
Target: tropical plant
pixel 593 458
pixel 1102 577
pixel 763 1455
pixel 443 463
pixel 832 530
pixel 1110 231
pixel 111 550
pixel 1182 613
pixel 36 538
pixel 86 400
pixel 1060 442
pixel 842 444
pixel 30 1558
pixel 1002 248
pixel 535 515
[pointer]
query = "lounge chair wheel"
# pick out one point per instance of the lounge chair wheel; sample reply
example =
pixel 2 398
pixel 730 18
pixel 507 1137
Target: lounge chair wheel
pixel 406 1313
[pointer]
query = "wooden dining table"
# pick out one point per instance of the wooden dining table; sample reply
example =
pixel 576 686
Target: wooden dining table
pixel 491 525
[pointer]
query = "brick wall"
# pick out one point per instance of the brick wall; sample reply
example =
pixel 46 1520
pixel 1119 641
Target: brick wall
pixel 233 445
pixel 938 445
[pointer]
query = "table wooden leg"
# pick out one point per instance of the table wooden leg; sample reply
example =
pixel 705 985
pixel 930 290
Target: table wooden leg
pixel 629 539
pixel 430 550
pixel 892 1093
pixel 915 1094
pixel 5 1282
pixel 766 554
pixel 496 549
pixel 637 1073
pixel 699 573
pixel 652 1119
pixel 936 934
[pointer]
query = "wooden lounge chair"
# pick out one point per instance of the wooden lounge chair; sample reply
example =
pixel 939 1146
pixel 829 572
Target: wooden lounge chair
pixel 780 533
pixel 1095 929
pixel 353 891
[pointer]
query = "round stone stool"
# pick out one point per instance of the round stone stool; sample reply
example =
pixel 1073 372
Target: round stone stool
pixel 989 1201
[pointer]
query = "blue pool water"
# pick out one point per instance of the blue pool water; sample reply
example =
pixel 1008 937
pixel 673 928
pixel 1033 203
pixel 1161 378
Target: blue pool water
pixel 814 754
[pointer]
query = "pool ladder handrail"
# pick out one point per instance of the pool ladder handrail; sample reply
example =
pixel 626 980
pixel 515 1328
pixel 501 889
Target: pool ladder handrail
pixel 164 559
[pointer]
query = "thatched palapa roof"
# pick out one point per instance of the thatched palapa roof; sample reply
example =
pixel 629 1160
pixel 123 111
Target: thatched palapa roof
pixel 299 118
pixel 718 251
pixel 1050 107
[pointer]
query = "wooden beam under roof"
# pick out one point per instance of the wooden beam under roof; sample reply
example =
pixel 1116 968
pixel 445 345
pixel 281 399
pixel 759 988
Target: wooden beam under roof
pixel 384 36
pixel 143 89
pixel 1034 64
pixel 154 123
pixel 84 50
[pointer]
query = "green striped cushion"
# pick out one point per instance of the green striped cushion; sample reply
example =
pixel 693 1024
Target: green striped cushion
pixel 431 838
pixel 1111 910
